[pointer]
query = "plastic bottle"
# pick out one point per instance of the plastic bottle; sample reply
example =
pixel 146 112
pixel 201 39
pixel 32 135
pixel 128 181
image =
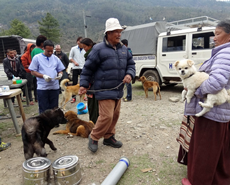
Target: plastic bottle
pixel 13 80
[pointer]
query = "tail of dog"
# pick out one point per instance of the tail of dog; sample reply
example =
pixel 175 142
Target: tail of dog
pixel 158 89
pixel 62 84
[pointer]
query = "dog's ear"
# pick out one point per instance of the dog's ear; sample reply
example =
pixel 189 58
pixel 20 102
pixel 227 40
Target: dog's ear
pixel 176 63
pixel 190 62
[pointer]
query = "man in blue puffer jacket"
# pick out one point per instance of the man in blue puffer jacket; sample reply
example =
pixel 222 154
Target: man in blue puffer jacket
pixel 111 65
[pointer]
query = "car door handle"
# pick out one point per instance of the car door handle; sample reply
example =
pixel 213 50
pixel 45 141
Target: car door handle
pixel 194 53
pixel 163 55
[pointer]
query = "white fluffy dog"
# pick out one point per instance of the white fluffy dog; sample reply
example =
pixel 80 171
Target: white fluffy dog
pixel 192 79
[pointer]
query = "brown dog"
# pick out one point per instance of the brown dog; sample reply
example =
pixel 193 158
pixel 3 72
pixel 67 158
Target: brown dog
pixel 76 126
pixel 69 91
pixel 148 84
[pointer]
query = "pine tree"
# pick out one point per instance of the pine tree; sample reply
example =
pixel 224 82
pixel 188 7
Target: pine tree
pixel 49 27
pixel 17 28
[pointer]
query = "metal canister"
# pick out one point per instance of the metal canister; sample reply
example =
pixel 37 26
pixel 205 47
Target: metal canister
pixel 67 170
pixel 36 171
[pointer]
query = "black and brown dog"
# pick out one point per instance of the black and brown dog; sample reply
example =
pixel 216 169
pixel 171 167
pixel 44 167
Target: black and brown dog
pixel 148 84
pixel 76 126
pixel 35 132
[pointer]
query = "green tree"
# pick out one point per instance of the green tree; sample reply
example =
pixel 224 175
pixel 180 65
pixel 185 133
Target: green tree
pixel 49 27
pixel 17 28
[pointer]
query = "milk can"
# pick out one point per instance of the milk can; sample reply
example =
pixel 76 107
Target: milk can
pixel 36 171
pixel 67 170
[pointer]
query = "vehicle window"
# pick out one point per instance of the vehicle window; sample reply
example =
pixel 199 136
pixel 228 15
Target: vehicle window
pixel 174 44
pixel 202 41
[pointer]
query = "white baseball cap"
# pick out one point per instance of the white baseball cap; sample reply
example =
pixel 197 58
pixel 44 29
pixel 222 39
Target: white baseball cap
pixel 112 24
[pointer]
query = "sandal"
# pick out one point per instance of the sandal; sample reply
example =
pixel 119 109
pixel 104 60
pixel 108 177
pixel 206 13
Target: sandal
pixel 23 99
pixel 185 181
pixel 31 103
pixel 73 100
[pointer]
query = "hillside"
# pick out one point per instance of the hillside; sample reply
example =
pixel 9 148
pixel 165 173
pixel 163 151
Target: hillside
pixel 129 12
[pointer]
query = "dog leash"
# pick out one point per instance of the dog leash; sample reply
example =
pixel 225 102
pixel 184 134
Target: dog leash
pixel 63 105
pixel 94 91
pixel 99 90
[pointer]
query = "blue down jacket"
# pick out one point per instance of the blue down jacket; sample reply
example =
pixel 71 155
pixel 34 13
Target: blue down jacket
pixel 107 67
pixel 218 68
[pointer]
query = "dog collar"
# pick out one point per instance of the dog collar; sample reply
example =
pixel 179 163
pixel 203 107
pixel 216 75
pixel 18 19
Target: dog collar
pixel 190 75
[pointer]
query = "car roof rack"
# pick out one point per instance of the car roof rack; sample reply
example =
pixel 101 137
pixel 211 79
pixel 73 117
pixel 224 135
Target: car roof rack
pixel 194 22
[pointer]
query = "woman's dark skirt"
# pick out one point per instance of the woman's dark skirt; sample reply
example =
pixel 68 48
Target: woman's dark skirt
pixel 208 159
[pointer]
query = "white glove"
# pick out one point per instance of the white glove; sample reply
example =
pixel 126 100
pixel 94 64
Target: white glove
pixel 47 78
pixel 59 76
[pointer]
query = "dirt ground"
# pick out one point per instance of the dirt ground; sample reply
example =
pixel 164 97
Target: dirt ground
pixel 147 128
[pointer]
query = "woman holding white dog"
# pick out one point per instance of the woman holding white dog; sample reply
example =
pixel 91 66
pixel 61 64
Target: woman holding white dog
pixel 208 158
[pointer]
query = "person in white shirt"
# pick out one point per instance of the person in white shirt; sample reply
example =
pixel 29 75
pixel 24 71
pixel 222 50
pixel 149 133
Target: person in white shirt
pixel 76 56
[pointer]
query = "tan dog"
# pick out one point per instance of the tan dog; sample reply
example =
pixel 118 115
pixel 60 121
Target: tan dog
pixel 148 84
pixel 76 126
pixel 69 91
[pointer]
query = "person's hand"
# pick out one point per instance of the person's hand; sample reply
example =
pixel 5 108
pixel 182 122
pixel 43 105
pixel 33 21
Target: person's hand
pixel 127 79
pixel 58 76
pixel 82 90
pixel 47 78
pixel 76 64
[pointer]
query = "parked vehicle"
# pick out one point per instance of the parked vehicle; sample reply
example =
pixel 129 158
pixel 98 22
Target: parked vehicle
pixel 155 48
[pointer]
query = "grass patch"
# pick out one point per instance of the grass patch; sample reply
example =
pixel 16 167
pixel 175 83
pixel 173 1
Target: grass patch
pixel 100 162
pixel 134 175
pixel 4 125
pixel 171 172
pixel 165 173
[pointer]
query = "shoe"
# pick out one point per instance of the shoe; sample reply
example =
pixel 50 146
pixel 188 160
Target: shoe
pixel 24 99
pixel 4 146
pixel 93 145
pixel 112 142
pixel 125 99
pixel 31 103
pixel 73 100
pixel 185 181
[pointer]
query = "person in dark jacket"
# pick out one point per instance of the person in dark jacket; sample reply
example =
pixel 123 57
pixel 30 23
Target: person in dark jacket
pixel 13 67
pixel 92 103
pixel 111 65
pixel 128 86
pixel 65 61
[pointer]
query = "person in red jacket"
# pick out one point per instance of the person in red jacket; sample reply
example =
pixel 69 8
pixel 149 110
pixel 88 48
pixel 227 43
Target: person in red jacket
pixel 26 60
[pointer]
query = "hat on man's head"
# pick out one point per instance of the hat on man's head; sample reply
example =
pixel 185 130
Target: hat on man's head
pixel 112 24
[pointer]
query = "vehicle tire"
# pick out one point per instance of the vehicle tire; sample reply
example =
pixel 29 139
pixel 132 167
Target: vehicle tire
pixel 152 75
pixel 170 84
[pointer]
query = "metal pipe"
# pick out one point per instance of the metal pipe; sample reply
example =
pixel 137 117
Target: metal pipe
pixel 85 26
pixel 115 175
